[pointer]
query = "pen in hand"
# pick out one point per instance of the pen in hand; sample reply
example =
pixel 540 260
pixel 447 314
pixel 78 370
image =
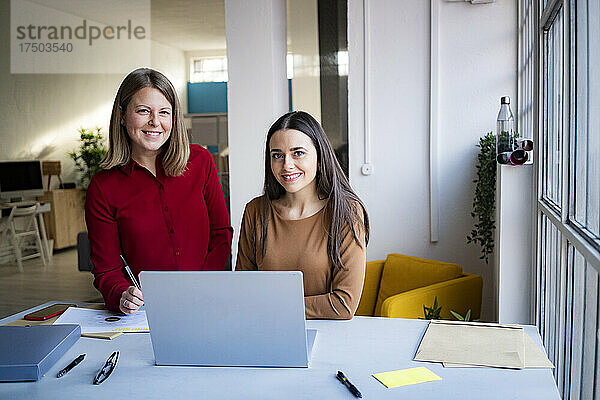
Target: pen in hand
pixel 128 270
pixel 342 378
pixel 72 365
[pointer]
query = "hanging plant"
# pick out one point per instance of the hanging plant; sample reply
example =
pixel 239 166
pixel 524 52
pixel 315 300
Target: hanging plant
pixel 484 201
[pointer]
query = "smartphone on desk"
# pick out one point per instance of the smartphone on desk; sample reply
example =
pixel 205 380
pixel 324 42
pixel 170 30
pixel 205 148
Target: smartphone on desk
pixel 48 312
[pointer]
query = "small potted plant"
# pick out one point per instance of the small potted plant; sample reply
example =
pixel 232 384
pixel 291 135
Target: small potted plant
pixel 87 158
pixel 432 312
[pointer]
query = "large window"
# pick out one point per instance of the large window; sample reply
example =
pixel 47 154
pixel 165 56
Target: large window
pixel 565 99
pixel 552 111
pixel 208 69
pixel 585 157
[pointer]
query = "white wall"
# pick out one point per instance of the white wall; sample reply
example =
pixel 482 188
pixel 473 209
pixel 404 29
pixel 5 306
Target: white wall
pixel 171 62
pixel 42 112
pixel 256 94
pixel 478 64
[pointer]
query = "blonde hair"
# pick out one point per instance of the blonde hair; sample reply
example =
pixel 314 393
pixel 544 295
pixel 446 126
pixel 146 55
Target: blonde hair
pixel 176 150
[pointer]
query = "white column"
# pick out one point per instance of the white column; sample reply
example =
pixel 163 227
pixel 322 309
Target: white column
pixel 304 46
pixel 514 244
pixel 257 93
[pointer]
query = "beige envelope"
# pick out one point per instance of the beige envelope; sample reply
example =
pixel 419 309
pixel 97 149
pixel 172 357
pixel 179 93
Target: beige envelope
pixel 473 343
pixel 534 357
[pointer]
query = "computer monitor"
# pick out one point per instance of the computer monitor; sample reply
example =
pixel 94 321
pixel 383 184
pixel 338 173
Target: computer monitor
pixel 20 180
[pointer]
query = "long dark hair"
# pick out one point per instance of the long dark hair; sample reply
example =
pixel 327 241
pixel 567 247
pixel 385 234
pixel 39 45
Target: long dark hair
pixel 344 208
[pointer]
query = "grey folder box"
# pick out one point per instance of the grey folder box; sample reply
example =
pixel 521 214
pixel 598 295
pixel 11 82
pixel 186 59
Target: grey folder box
pixel 28 352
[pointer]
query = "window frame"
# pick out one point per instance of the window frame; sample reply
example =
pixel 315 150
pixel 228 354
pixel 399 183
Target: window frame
pixel 570 219
pixel 193 71
pixel 556 321
pixel 570 230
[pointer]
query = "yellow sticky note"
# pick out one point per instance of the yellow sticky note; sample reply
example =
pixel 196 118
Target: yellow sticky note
pixel 405 377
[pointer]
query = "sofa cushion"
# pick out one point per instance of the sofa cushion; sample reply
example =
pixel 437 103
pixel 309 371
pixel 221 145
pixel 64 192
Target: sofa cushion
pixel 402 273
pixel 368 299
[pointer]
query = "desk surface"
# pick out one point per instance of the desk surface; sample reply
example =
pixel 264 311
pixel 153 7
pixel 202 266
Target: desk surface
pixel 359 348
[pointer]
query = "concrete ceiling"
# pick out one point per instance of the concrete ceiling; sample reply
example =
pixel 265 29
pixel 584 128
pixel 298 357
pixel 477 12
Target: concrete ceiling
pixel 189 25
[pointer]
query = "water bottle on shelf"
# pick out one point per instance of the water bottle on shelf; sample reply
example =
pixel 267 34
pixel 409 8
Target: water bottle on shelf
pixel 505 132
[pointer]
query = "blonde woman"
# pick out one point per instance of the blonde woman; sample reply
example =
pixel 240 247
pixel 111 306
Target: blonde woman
pixel 158 200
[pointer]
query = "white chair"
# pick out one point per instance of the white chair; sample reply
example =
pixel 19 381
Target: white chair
pixel 21 225
pixel 6 249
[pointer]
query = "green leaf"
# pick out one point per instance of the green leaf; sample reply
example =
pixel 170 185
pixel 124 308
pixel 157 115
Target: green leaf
pixel 432 312
pixel 457 316
pixel 485 196
pixel 90 153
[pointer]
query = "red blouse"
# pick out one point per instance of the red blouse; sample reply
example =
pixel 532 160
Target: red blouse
pixel 158 223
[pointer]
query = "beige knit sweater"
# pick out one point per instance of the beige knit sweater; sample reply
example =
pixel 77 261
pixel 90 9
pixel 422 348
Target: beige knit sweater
pixel 301 245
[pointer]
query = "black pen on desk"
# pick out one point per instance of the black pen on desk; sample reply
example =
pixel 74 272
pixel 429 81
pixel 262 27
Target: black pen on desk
pixel 342 378
pixel 72 365
pixel 133 280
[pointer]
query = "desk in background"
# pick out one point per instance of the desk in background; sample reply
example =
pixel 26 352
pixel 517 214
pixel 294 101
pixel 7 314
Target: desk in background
pixel 359 348
pixel 67 217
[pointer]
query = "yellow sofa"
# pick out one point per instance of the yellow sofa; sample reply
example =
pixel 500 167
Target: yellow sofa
pixel 399 287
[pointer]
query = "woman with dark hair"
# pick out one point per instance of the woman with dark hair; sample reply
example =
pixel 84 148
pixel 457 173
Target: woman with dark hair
pixel 308 219
pixel 158 200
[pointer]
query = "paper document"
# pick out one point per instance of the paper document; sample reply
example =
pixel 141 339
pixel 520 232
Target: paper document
pixel 534 357
pixel 489 345
pixel 405 377
pixel 94 321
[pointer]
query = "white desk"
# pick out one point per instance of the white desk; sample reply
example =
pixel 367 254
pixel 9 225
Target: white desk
pixel 359 348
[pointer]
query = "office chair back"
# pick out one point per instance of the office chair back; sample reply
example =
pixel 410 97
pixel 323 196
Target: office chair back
pixel 84 263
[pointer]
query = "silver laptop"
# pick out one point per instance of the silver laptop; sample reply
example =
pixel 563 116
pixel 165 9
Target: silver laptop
pixel 210 318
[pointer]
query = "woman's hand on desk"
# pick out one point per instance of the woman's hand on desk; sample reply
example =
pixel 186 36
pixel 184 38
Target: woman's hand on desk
pixel 131 300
